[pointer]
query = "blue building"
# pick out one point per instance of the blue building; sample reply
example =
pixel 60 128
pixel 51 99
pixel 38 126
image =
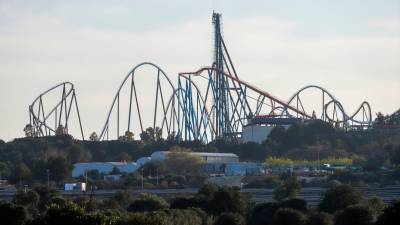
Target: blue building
pixel 103 167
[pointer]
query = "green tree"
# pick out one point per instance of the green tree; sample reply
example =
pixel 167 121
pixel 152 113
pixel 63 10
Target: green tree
pixel 115 171
pixel 289 187
pixel 166 217
pixel 30 198
pixel 391 215
pixel 339 197
pixel 380 119
pixel 262 214
pixel 228 200
pixel 321 218
pixel 22 173
pixel 288 216
pixel 277 136
pixel 123 157
pixel 129 136
pixel 61 130
pixel 94 136
pixel 376 205
pixel 77 153
pixel 230 219
pixel 59 168
pixel 295 203
pixel 207 191
pixel 395 157
pixel 148 203
pixel 151 135
pixel 185 202
pixel 70 213
pixel 11 214
pixel 180 161
pixel 278 162
pixel 354 215
pixel 124 198
pixel 5 171
pixel 46 195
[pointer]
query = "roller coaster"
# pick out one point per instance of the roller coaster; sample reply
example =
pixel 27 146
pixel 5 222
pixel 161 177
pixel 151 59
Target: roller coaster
pixel 204 105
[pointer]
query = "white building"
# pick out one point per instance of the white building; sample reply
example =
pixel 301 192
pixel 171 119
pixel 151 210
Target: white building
pixel 256 133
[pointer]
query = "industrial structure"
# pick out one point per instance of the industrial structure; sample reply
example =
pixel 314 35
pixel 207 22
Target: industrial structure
pixel 207 104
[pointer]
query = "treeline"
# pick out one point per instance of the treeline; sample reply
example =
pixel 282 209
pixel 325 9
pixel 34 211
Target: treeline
pixel 212 205
pixel 30 159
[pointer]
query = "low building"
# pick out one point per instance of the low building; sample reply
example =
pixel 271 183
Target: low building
pixel 103 167
pixel 223 163
pixel 235 168
pixel 208 157
pixel 244 168
pixel 75 186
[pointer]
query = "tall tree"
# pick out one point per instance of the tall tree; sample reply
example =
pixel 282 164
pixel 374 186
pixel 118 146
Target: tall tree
pixel 338 198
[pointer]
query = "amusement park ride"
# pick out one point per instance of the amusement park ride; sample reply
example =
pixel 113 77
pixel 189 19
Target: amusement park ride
pixel 210 103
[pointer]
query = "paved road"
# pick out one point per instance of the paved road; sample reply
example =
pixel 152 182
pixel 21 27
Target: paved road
pixel 312 195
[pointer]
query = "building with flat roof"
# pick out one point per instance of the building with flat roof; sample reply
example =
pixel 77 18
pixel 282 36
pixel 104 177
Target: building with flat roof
pixel 214 163
pixel 208 157
pixel 103 167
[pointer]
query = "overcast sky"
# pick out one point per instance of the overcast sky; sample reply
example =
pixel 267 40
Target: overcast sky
pixel 352 48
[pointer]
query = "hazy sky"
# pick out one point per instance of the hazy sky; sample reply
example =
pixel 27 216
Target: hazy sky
pixel 352 48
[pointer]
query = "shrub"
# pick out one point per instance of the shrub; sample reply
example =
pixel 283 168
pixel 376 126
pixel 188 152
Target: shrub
pixel 343 176
pixel 289 188
pixel 391 215
pixel 339 197
pixel 320 219
pixel 354 215
pixel 230 218
pixel 376 205
pixel 295 203
pixel 11 214
pixel 184 202
pixel 147 203
pixel 288 216
pixel 166 217
pixel 228 199
pixel 262 213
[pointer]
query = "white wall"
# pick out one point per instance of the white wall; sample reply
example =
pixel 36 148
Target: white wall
pixel 256 133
